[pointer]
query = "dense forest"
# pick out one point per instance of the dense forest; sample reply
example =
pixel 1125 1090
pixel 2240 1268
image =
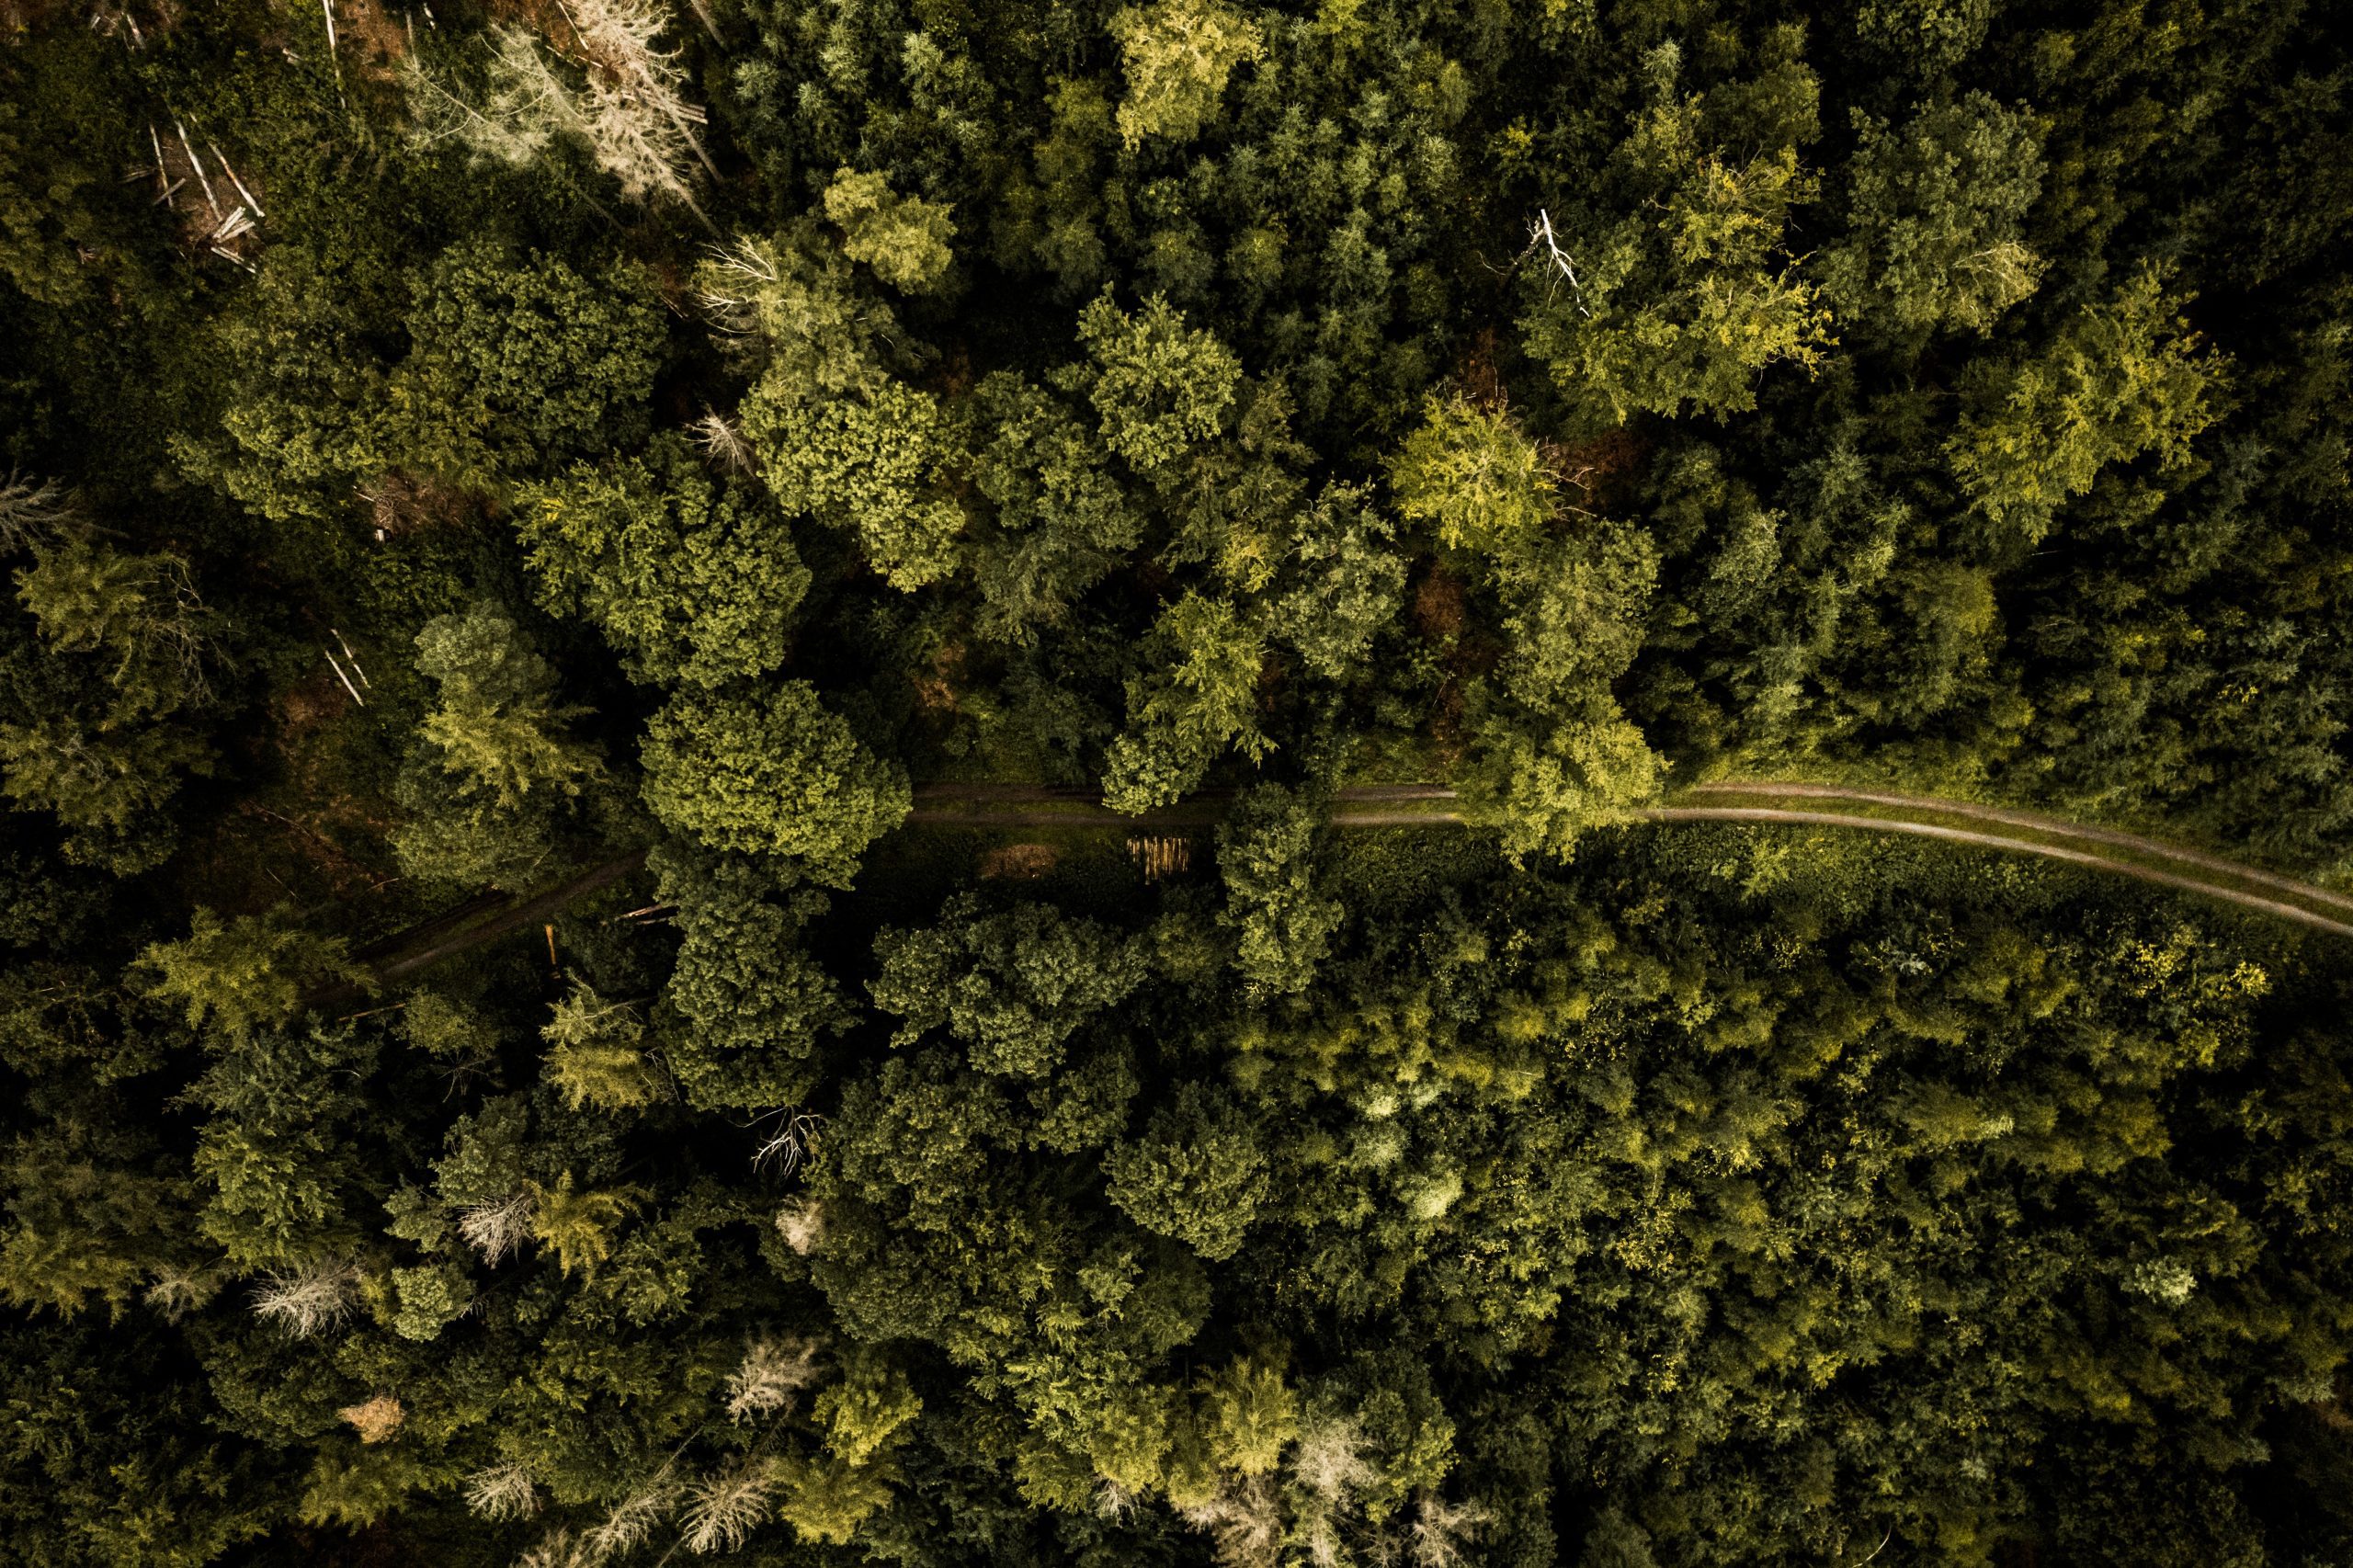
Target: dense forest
pixel 507 508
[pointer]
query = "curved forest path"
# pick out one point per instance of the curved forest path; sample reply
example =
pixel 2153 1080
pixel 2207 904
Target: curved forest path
pixel 2002 828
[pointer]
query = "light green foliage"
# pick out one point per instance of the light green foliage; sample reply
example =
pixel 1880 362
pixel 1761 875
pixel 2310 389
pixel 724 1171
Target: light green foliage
pixel 1684 300
pixel 904 238
pixel 692 581
pixel 1197 1174
pixel 478 370
pixel 1542 794
pixel 1267 855
pixel 430 1300
pixel 280 1161
pixel 83 1228
pixel 835 434
pixel 1198 695
pixel 1251 1415
pixel 596 1053
pixel 1012 987
pixel 776 776
pixel 492 775
pixel 872 466
pixel 793 302
pixel 308 417
pixel 1177 55
pixel 1575 621
pixel 495 726
pixel 578 1226
pixel 105 787
pixel 137 616
pixel 1554 753
pixel 1937 209
pixel 1159 386
pixel 441 1027
pixel 238 975
pixel 866 1413
pixel 1475 478
pixel 828 1499
pixel 1924 36
pixel 2123 379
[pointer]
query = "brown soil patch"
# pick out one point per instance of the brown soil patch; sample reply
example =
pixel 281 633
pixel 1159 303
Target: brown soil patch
pixel 1020 862
pixel 1481 379
pixel 1607 461
pixel 364 29
pixel 1439 605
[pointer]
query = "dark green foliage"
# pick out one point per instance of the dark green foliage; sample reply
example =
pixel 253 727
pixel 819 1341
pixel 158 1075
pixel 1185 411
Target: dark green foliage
pixel 776 776
pixel 689 579
pixel 549 1014
pixel 492 777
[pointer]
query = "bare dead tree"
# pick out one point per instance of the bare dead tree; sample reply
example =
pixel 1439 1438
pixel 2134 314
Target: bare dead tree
pixel 628 106
pixel 770 1377
pixel 502 1493
pixel 32 511
pixel 722 443
pixel 1540 234
pixel 308 1300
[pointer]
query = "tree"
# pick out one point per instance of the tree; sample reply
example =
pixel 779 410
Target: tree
pixel 1013 987
pixel 1544 792
pixel 132 632
pixel 692 581
pixel 626 106
pixel 776 776
pixel 596 1053
pixel 1060 522
pixel 577 1226
pixel 1346 579
pixel 106 789
pixel 139 615
pixel 241 975
pixel 493 777
pixel 1159 386
pixel 1195 1175
pixel 1471 474
pixel 873 466
pixel 1681 292
pixel 87 1225
pixel 1267 854
pixel 754 1004
pixel 515 364
pixel 903 238
pixel 1177 55
pixel 280 1161
pixel 1196 695
pixel 794 304
pixel 1934 243
pixel 2120 380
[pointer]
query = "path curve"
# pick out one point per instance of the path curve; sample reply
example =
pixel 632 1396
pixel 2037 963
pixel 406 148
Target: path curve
pixel 2009 816
pixel 2133 856
pixel 2138 872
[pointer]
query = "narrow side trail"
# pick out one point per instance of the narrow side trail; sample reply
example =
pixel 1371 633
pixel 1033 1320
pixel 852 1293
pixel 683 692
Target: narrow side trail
pixel 997 806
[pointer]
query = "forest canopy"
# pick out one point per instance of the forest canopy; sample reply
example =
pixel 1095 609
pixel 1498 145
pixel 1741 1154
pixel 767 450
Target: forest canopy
pixel 814 782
